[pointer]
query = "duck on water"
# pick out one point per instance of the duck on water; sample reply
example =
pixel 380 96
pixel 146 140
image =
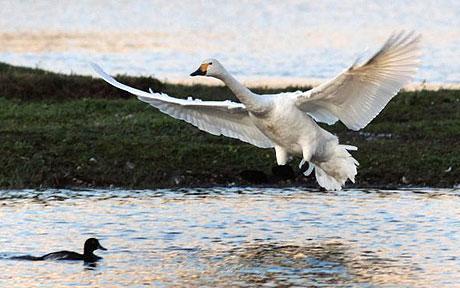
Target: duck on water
pixel 90 246
pixel 287 122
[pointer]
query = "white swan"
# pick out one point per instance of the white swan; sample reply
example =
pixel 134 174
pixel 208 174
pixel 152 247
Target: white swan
pixel 286 121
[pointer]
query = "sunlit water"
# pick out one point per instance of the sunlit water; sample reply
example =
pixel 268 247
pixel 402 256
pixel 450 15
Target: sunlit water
pixel 234 237
pixel 169 38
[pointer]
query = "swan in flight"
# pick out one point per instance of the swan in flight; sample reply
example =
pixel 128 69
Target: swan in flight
pixel 287 121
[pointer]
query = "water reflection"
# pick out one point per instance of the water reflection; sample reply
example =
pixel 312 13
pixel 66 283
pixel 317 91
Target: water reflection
pixel 322 263
pixel 90 265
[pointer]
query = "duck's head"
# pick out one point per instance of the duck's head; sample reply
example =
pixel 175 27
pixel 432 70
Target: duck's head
pixel 209 67
pixel 92 244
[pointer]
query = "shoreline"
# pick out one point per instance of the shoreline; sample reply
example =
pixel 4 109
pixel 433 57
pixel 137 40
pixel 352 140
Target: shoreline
pixel 255 82
pixel 294 185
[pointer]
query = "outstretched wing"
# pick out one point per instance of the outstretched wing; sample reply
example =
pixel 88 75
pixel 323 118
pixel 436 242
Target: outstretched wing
pixel 216 117
pixel 358 94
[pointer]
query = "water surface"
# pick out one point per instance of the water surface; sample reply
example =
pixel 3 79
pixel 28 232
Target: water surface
pixel 234 237
pixel 169 38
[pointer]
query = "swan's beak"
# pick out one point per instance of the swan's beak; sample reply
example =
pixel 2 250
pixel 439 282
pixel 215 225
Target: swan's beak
pixel 101 248
pixel 201 71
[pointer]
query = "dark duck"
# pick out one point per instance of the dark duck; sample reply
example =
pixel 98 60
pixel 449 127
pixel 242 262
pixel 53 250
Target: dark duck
pixel 90 246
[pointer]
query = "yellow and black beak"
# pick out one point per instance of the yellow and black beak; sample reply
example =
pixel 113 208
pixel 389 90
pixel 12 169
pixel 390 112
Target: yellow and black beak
pixel 201 71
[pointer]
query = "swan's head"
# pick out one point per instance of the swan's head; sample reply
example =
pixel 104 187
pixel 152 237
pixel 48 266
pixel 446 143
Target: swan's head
pixel 209 67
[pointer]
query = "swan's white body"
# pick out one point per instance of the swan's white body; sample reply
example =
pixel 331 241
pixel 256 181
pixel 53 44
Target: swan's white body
pixel 287 121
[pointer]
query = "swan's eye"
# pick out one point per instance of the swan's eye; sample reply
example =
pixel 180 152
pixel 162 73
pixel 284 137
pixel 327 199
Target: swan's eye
pixel 210 63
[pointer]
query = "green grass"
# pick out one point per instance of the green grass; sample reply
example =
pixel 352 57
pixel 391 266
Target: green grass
pixel 59 130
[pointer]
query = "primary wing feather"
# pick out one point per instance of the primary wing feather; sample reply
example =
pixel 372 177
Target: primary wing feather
pixel 358 94
pixel 216 117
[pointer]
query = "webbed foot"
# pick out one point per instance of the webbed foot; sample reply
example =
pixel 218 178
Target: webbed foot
pixel 283 172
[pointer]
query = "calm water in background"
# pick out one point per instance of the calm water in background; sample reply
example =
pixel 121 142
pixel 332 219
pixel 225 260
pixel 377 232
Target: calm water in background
pixel 169 38
pixel 234 237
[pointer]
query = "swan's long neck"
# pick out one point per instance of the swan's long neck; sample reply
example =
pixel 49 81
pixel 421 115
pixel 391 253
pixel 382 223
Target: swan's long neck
pixel 253 102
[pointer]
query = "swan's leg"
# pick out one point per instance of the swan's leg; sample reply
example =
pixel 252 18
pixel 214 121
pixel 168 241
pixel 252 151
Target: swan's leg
pixel 283 171
pixel 281 155
pixel 306 153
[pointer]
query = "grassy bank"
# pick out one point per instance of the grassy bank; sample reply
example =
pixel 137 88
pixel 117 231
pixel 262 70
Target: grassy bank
pixel 58 130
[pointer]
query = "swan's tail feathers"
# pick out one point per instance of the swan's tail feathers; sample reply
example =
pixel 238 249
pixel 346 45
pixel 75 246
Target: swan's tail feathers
pixel 333 173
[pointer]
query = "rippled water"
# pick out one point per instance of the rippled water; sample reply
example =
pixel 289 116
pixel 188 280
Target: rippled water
pixel 169 38
pixel 234 237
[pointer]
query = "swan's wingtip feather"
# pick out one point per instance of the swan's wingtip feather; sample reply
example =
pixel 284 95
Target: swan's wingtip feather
pixel 96 67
